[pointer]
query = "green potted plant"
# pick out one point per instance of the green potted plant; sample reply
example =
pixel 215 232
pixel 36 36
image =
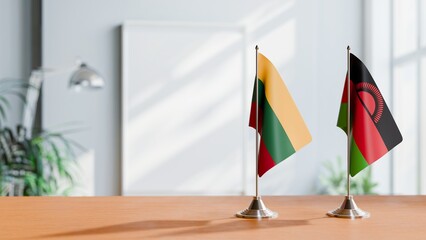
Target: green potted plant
pixel 333 180
pixel 35 165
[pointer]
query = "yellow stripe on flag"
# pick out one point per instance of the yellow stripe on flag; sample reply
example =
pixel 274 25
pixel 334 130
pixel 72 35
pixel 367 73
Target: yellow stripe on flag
pixel 282 103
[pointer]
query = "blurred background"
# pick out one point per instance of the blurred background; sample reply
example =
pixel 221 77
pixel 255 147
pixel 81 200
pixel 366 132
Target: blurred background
pixel 172 115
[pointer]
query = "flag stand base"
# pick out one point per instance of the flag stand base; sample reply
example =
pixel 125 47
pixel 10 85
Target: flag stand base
pixel 257 209
pixel 348 209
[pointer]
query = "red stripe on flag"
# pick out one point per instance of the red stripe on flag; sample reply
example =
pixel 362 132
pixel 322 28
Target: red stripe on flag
pixel 265 160
pixel 345 91
pixel 252 121
pixel 366 135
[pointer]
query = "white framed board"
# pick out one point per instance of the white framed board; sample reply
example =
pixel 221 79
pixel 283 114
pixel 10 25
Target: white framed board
pixel 183 109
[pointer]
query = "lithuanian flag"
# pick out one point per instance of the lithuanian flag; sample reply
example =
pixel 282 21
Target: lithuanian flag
pixel 374 131
pixel 281 126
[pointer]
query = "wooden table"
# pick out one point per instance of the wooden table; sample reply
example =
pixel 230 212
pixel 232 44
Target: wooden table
pixel 392 217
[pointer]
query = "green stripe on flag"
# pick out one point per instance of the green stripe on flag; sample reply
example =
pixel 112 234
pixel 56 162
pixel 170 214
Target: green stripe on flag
pixel 342 120
pixel 261 92
pixel 358 161
pixel 274 136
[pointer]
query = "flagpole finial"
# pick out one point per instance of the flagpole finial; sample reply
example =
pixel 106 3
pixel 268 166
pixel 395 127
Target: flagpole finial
pixel 349 48
pixel 257 47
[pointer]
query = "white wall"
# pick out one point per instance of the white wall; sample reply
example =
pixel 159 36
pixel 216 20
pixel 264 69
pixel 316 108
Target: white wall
pixel 305 39
pixel 15 47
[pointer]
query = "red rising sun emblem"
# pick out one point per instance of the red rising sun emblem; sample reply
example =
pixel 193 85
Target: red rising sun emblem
pixel 372 99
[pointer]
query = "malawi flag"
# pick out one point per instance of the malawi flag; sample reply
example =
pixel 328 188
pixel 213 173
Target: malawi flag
pixel 374 131
pixel 281 126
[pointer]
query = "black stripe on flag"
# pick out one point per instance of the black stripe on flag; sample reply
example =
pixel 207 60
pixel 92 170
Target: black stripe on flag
pixel 386 124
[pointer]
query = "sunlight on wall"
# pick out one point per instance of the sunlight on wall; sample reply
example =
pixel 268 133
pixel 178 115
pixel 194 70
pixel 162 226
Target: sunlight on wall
pixel 405 27
pixel 284 36
pixel 197 57
pixel 265 13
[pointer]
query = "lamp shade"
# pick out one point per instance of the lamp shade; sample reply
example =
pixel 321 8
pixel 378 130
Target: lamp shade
pixel 86 77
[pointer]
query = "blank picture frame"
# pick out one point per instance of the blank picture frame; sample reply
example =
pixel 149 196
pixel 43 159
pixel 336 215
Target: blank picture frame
pixel 183 105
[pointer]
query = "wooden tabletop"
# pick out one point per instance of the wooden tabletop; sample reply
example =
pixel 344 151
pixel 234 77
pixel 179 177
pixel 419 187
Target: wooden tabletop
pixel 392 217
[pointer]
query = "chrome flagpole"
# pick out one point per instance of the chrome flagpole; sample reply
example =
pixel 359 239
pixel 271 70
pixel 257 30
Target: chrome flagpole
pixel 257 125
pixel 257 208
pixel 348 209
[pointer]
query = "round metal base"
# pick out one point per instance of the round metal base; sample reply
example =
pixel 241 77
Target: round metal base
pixel 257 209
pixel 348 209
